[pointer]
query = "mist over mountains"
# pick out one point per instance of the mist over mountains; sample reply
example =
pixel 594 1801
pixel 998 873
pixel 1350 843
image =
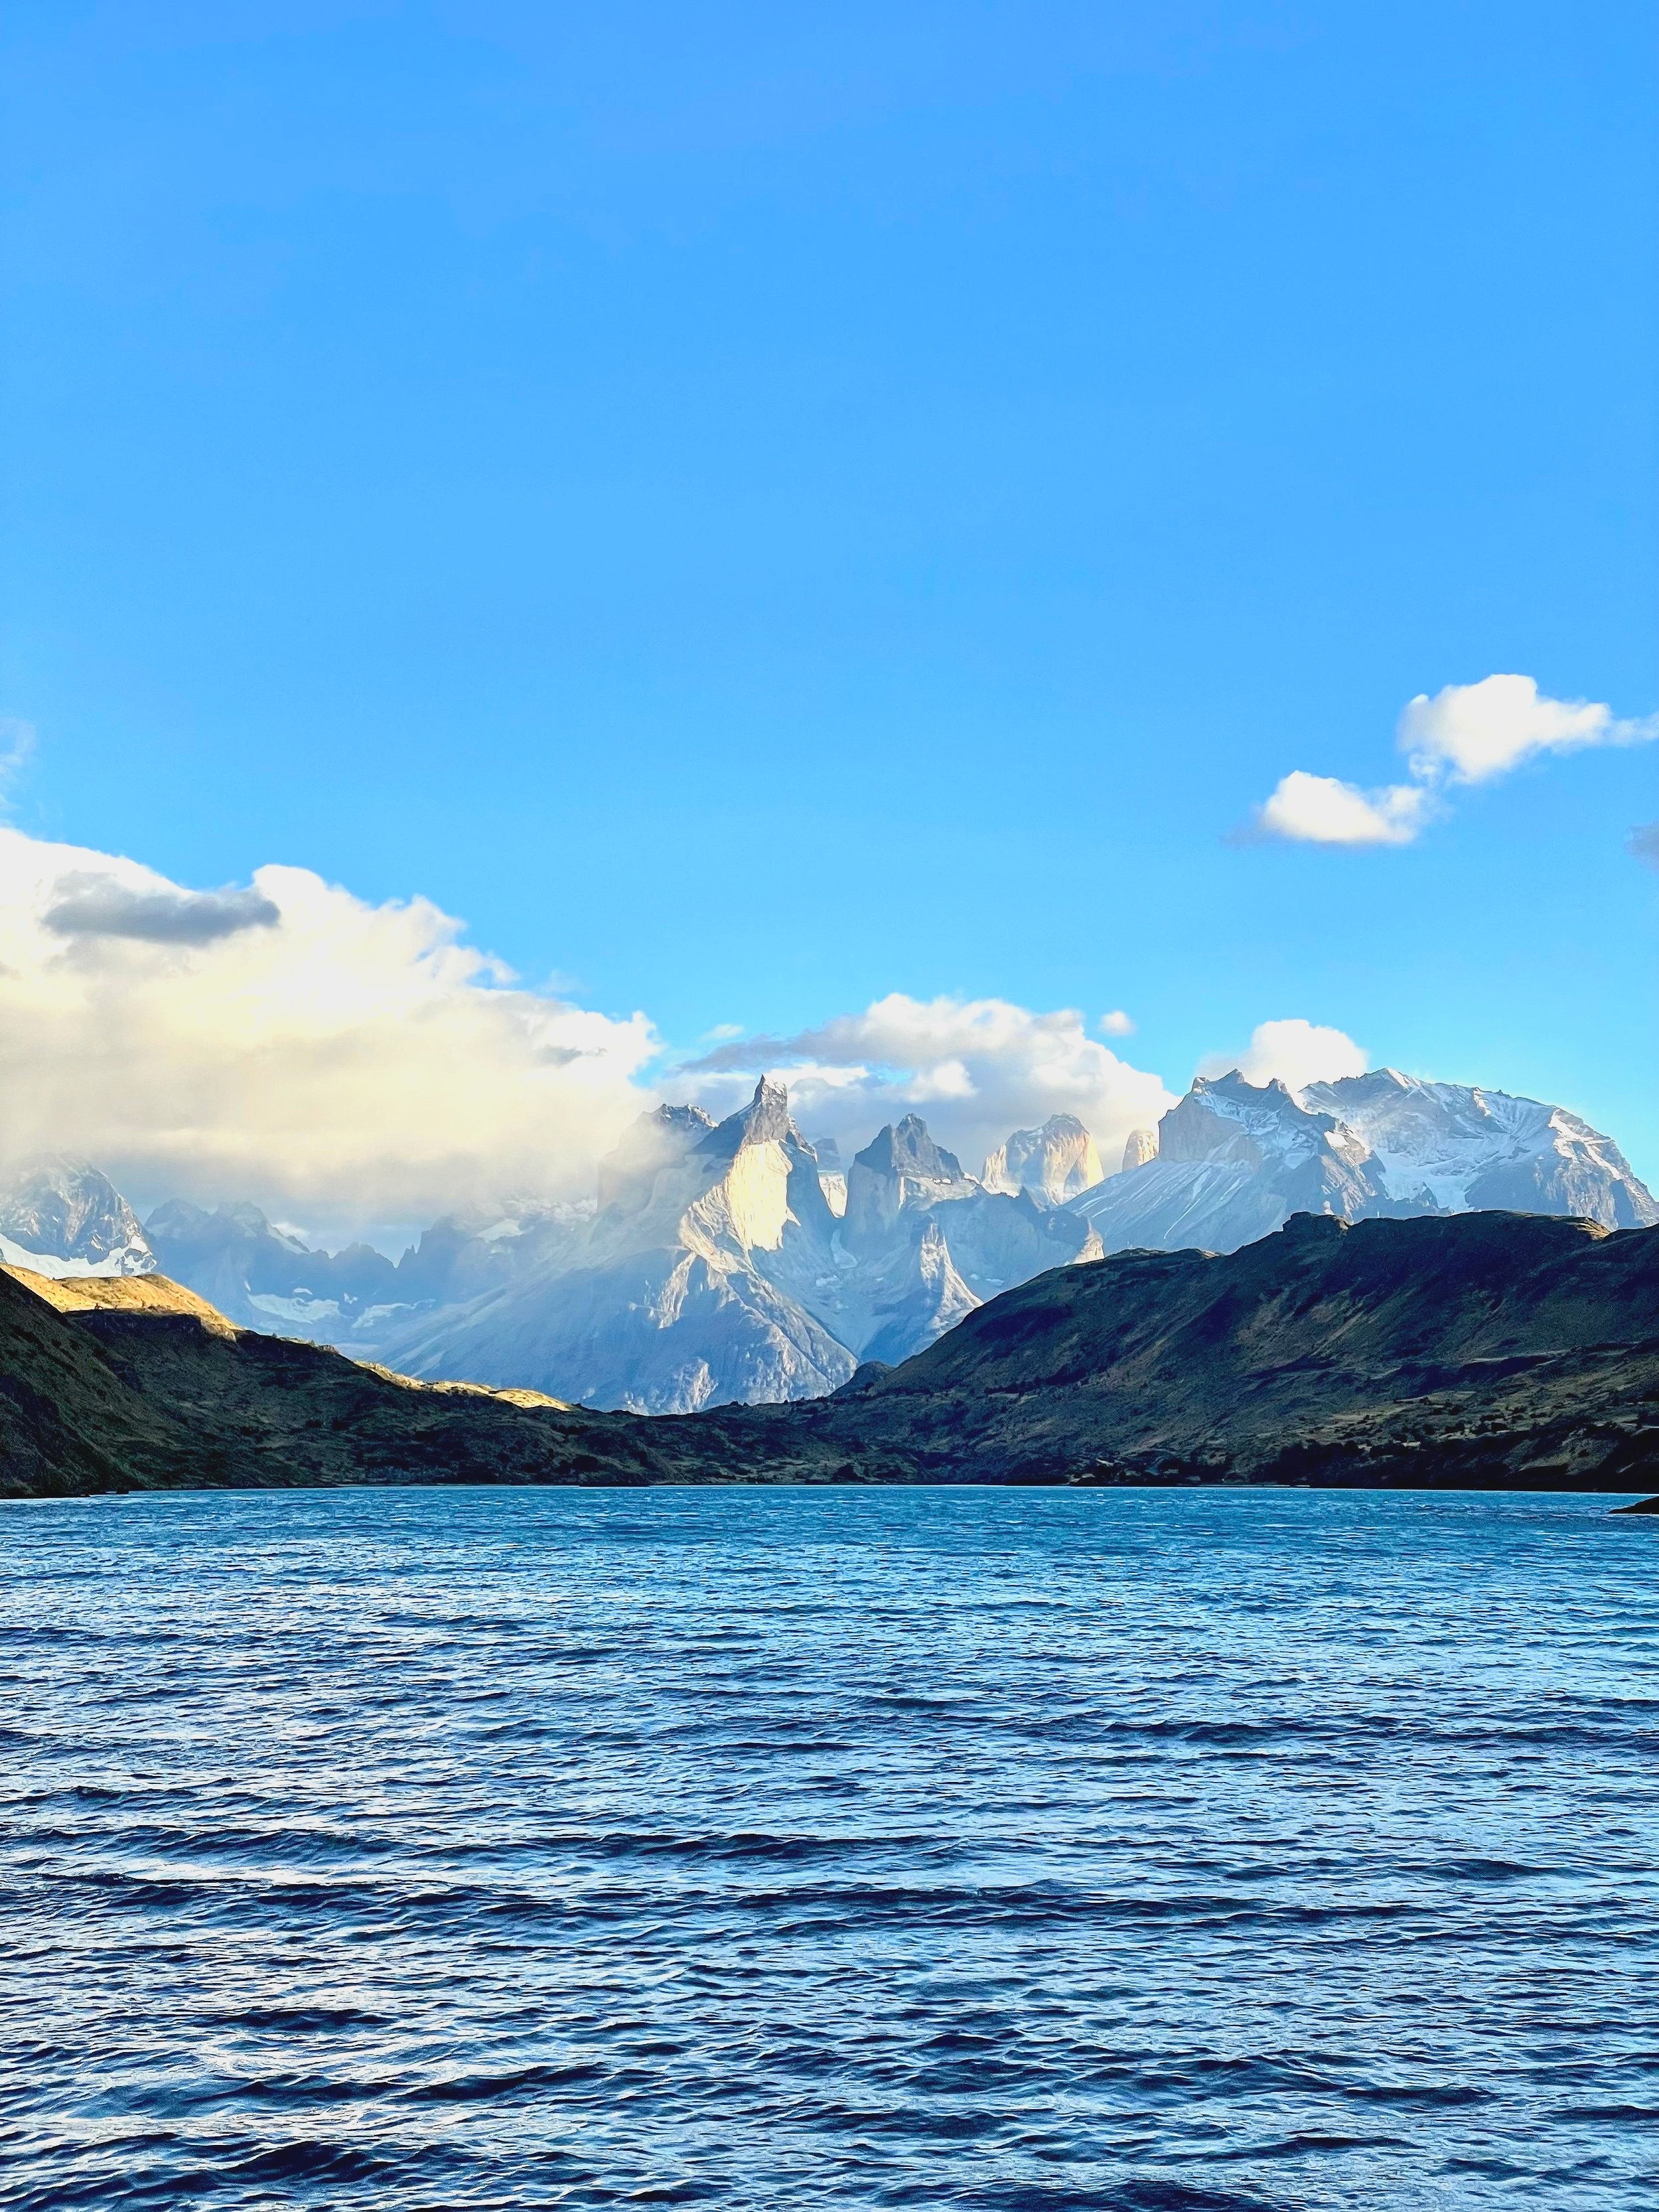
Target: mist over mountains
pixel 736 1261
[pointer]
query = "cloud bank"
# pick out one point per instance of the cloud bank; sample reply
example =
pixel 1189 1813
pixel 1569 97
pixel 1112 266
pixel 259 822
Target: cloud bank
pixel 341 1062
pixel 1468 733
pixel 974 1068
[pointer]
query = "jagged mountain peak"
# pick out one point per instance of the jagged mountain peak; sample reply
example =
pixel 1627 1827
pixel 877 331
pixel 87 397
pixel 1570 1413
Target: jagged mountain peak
pixel 906 1148
pixel 59 1214
pixel 764 1121
pixel 1234 1158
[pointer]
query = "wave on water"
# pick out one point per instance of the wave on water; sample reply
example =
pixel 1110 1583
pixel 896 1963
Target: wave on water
pixel 1153 1851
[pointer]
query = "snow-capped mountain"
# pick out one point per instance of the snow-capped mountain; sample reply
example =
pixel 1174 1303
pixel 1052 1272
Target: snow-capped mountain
pixel 1445 1147
pixel 61 1217
pixel 1234 1160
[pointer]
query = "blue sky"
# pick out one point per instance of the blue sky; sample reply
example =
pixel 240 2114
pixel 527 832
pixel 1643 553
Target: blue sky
pixel 755 510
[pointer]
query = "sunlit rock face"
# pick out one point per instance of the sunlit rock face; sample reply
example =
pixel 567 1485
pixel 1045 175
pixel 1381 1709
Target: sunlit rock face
pixel 1234 1160
pixel 62 1217
pixel 665 1303
pixel 1057 1162
pixel 1139 1146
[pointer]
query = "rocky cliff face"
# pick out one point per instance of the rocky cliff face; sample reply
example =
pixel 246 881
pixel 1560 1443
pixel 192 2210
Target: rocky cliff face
pixel 1234 1160
pixel 902 1170
pixel 1057 1162
pixel 61 1216
pixel 665 1302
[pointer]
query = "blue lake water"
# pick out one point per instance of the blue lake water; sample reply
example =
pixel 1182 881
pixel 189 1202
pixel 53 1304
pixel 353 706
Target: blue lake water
pixel 988 1849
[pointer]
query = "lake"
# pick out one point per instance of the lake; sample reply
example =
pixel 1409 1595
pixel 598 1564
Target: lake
pixel 1215 1849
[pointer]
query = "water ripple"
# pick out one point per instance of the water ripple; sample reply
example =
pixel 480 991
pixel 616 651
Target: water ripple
pixel 1140 1851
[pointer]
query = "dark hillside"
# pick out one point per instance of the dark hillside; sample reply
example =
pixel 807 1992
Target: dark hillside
pixel 1476 1349
pixel 132 1388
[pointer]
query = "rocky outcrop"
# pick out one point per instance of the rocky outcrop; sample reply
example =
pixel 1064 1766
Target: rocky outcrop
pixel 1057 1162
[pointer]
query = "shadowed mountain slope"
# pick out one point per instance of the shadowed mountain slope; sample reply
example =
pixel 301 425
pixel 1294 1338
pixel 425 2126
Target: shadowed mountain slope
pixel 1479 1351
pixel 145 1390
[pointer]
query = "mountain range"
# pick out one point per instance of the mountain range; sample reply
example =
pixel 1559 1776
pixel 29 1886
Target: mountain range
pixel 736 1263
pixel 1483 1350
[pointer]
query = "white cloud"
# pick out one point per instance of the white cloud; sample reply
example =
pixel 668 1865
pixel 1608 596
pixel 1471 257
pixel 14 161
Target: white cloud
pixel 1470 732
pixel 1116 1024
pixel 1294 1052
pixel 1466 733
pixel 975 1069
pixel 1319 810
pixel 348 1064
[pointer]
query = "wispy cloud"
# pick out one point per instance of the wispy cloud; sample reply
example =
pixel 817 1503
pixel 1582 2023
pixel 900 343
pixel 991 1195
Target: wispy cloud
pixel 1644 843
pixel 17 740
pixel 1468 733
